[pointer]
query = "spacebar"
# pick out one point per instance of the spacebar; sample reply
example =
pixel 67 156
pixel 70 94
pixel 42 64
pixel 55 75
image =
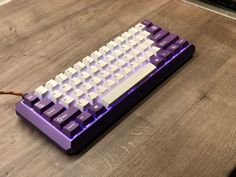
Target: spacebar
pixel 118 91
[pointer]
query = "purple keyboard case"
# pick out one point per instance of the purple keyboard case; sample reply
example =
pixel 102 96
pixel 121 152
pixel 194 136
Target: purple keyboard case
pixel 105 120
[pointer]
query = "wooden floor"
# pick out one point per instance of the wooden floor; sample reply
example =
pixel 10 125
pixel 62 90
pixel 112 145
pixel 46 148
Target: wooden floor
pixel 185 128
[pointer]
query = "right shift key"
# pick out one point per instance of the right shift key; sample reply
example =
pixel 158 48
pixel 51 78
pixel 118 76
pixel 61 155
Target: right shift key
pixel 182 43
pixel 167 41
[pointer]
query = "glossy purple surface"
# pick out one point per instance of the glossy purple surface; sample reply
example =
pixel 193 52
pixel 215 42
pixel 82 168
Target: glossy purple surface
pixel 47 128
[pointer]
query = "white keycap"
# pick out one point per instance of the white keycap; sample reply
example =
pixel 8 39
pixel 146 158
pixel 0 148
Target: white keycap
pixel 51 85
pixel 41 91
pixel 154 49
pixel 77 94
pixel 91 97
pixel 148 43
pixel 88 61
pixel 139 39
pixel 109 83
pixel 133 65
pixel 112 45
pixel 84 76
pixel 86 87
pixel 104 75
pixel 55 96
pixel 127 36
pixel 95 81
pixel 125 48
pixel 135 53
pixel 117 54
pixel 133 31
pixel 75 82
pixel 128 58
pixel 70 72
pixel 140 27
pixel 119 40
pixel 141 60
pixel 132 43
pixel 112 68
pixel 93 70
pixel 96 55
pixel 67 101
pixel 118 77
pixel 120 63
pixel 65 89
pixel 145 34
pixel 101 90
pixel 110 59
pixel 147 55
pixel 101 64
pixel 79 66
pixel 142 48
pixel 82 104
pixel 126 71
pixel 61 78
pixel 126 85
pixel 105 50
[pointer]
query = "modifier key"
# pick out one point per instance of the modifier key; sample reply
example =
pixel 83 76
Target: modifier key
pixel 54 111
pixel 96 109
pixel 182 42
pixel 153 29
pixel 174 48
pixel 147 23
pixel 166 42
pixel 65 117
pixel 165 54
pixel 30 99
pixel 71 129
pixel 84 119
pixel 42 105
pixel 157 61
pixel 160 35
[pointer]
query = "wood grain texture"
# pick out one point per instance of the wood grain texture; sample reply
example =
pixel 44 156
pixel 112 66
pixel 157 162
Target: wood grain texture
pixel 185 128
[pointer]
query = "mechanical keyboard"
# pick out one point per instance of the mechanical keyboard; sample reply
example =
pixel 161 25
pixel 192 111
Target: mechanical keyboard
pixel 78 104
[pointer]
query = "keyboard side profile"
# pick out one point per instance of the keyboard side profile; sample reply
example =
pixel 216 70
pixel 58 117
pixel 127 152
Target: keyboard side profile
pixel 79 104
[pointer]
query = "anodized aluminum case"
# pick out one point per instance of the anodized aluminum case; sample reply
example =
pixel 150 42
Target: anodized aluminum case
pixel 122 106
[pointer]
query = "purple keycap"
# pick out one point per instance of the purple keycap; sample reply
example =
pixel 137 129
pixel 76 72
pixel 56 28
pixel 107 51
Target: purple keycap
pixel 65 117
pixel 167 41
pixel 30 99
pixel 54 111
pixel 160 35
pixel 84 119
pixel 174 48
pixel 96 109
pixel 157 61
pixel 153 29
pixel 165 54
pixel 71 129
pixel 42 105
pixel 182 42
pixel 147 23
